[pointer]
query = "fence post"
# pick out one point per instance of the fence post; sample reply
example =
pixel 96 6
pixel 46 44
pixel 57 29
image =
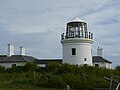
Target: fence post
pixel 34 75
pixel 111 79
pixel 68 87
pixel 117 86
pixel 84 80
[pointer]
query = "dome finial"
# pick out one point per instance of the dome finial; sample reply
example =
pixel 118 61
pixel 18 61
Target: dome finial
pixel 76 19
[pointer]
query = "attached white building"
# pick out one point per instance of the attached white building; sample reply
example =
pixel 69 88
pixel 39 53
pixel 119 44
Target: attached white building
pixel 15 60
pixel 99 61
pixel 10 59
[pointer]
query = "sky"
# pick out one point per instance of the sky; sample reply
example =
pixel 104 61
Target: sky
pixel 38 24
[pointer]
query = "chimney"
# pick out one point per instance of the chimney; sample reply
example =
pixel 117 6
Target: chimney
pixel 10 50
pixel 99 51
pixel 22 51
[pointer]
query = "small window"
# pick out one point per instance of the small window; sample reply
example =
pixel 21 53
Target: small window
pixel 85 59
pixel 13 64
pixel 73 51
pixel 96 65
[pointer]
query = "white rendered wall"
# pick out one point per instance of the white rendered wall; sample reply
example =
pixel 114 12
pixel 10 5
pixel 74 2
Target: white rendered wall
pixel 83 50
pixel 103 64
pixel 41 65
pixel 8 65
pixel 108 65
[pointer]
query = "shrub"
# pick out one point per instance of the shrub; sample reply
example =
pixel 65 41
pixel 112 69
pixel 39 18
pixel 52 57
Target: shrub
pixel 50 80
pixel 2 69
pixel 52 68
pixel 75 81
pixel 117 68
pixel 30 67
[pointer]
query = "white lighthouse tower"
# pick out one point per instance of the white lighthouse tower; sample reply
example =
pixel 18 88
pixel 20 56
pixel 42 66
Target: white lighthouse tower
pixel 77 43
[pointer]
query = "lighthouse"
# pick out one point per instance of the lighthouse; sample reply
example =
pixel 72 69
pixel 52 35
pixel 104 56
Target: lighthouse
pixel 77 43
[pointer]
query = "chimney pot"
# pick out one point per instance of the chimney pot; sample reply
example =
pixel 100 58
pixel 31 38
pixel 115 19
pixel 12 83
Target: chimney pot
pixel 99 52
pixel 10 50
pixel 22 50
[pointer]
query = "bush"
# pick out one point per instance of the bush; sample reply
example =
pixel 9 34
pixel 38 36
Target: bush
pixel 16 69
pixel 2 69
pixel 52 68
pixel 117 68
pixel 50 80
pixel 56 75
pixel 75 81
pixel 30 67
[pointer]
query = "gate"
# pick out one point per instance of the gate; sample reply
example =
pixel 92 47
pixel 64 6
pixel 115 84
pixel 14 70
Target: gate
pixel 114 82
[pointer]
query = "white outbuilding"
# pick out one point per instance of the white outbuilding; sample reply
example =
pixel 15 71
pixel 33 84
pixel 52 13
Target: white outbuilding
pixel 100 61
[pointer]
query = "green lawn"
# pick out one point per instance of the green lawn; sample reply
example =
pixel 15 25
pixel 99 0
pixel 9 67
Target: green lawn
pixel 24 87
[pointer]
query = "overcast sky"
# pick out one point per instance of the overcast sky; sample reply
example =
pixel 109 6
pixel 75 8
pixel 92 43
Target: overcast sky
pixel 37 25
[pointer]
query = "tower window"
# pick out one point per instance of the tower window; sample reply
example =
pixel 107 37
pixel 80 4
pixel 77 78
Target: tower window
pixel 85 59
pixel 73 51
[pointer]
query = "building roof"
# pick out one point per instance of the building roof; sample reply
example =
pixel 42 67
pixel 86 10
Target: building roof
pixel 100 59
pixel 23 58
pixel 16 58
pixel 47 61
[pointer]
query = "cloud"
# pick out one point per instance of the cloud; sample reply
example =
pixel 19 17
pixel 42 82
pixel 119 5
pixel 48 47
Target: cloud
pixel 40 45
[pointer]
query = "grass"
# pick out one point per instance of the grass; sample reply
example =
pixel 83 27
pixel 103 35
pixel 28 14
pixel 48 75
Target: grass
pixel 12 82
pixel 17 79
pixel 9 86
pixel 29 88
